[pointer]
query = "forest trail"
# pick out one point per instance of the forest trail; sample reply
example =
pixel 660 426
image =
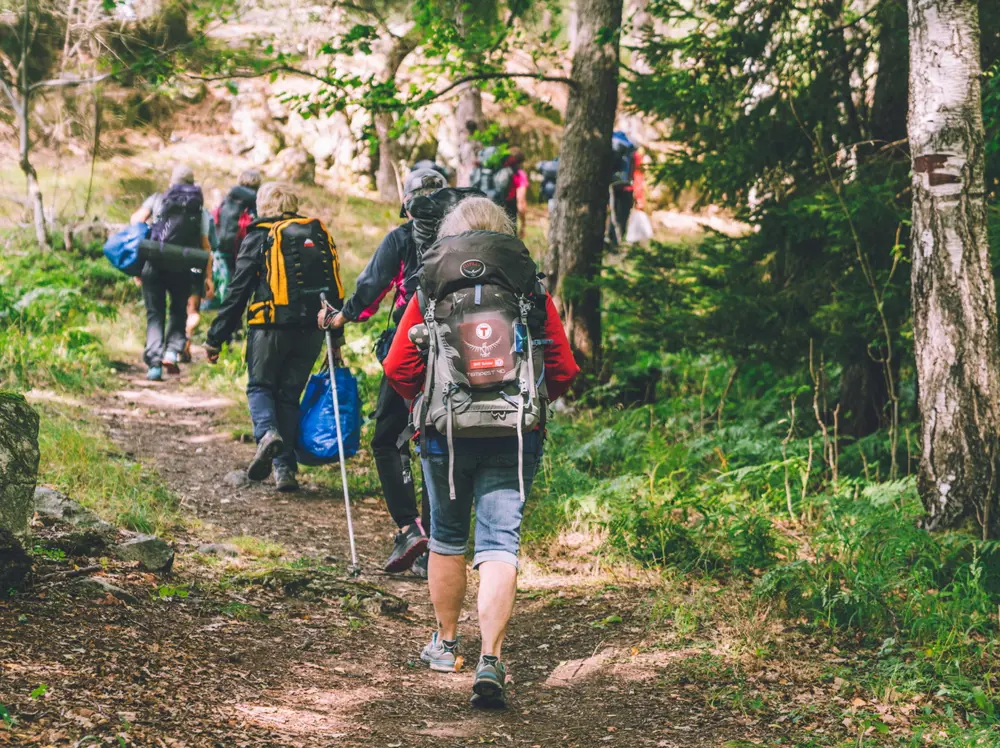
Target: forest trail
pixel 235 666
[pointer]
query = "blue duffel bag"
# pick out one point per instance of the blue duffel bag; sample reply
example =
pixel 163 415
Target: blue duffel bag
pixel 317 443
pixel 122 249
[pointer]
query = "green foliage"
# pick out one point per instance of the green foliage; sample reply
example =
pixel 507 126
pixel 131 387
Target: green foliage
pixel 78 459
pixel 51 307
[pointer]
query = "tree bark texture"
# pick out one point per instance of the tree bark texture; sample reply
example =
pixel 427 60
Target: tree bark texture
pixel 24 141
pixel 468 109
pixel 387 181
pixel 576 234
pixel 954 296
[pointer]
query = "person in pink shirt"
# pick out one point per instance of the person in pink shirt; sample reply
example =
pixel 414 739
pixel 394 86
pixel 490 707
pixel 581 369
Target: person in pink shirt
pixel 516 201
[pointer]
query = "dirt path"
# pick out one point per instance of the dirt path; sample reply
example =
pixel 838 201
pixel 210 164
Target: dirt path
pixel 235 666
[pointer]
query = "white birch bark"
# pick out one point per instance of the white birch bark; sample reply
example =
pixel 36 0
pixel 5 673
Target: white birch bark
pixel 954 296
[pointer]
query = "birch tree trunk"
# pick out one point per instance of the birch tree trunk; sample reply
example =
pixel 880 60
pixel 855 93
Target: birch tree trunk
pixel 576 234
pixel 954 296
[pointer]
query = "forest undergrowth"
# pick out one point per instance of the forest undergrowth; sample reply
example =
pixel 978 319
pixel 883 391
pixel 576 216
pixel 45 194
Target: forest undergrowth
pixel 728 481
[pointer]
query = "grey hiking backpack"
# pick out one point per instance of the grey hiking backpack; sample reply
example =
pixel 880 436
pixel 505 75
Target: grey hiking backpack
pixel 484 308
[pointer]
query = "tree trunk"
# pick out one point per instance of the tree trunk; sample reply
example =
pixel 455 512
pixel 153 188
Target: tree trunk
pixel 386 180
pixel 954 297
pixel 385 177
pixel 468 110
pixel 24 150
pixel 580 209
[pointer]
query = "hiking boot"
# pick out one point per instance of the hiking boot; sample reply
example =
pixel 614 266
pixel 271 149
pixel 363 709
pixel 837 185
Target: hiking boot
pixel 170 360
pixel 284 480
pixel 410 543
pixel 155 374
pixel 419 568
pixel 439 655
pixel 185 357
pixel 269 447
pixel 488 688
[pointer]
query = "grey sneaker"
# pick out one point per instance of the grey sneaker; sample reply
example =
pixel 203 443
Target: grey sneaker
pixel 284 480
pixel 439 655
pixel 488 688
pixel 268 448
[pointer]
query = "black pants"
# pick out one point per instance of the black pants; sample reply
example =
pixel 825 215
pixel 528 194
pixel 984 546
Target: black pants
pixel 278 366
pixel 165 320
pixel 392 417
pixel 622 207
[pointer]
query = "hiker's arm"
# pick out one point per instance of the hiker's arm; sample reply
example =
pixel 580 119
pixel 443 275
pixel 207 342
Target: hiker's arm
pixel 240 289
pixel 560 366
pixel 141 216
pixel 405 366
pixel 206 244
pixel 376 280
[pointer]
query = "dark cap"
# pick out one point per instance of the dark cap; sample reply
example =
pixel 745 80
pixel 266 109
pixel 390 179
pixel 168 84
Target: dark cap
pixel 420 179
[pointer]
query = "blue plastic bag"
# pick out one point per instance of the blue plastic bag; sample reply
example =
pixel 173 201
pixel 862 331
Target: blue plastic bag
pixel 317 444
pixel 122 249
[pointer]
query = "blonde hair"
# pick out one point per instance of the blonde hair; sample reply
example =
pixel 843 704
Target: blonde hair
pixel 476 214
pixel 275 198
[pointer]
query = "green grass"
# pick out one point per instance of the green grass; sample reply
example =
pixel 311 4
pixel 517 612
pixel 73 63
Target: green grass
pixel 79 460
pixel 260 548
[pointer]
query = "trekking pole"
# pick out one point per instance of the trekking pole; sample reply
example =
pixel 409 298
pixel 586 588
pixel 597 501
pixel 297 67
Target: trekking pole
pixel 355 569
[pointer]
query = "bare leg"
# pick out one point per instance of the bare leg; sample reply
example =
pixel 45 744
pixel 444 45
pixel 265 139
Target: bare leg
pixel 497 588
pixel 193 315
pixel 446 576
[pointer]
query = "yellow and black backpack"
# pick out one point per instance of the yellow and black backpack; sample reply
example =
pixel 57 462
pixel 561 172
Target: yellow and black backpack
pixel 301 261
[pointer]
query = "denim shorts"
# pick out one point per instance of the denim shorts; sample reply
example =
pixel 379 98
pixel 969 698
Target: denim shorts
pixel 488 482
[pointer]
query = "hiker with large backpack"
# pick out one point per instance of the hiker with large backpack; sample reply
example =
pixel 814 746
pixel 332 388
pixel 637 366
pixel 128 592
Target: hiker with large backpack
pixel 235 214
pixel 628 185
pixel 481 352
pixel 500 175
pixel 177 216
pixel 285 263
pixel 392 270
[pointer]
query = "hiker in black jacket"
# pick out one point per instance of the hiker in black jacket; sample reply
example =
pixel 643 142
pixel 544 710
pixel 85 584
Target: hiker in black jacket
pixel 281 307
pixel 233 216
pixel 392 269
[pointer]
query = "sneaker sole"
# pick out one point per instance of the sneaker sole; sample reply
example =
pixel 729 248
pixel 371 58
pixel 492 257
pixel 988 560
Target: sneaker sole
pixel 404 562
pixel 488 689
pixel 442 666
pixel 261 466
pixel 171 368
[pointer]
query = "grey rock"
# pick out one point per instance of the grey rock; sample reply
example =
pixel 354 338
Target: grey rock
pixel 293 165
pixel 102 586
pixel 219 549
pixel 50 504
pixel 14 562
pixel 18 461
pixel 237 479
pixel 152 553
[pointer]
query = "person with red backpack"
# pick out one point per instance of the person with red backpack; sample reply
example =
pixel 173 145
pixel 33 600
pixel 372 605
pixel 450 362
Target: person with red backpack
pixel 235 214
pixel 177 216
pixel 480 352
pixel 628 185
pixel 286 263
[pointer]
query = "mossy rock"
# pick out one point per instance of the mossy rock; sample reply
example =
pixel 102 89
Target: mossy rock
pixel 18 461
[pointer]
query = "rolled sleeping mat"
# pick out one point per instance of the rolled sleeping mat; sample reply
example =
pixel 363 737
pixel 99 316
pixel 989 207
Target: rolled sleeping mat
pixel 172 256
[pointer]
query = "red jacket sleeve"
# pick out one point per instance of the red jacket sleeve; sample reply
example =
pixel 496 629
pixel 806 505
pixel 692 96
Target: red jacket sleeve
pixel 560 366
pixel 405 366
